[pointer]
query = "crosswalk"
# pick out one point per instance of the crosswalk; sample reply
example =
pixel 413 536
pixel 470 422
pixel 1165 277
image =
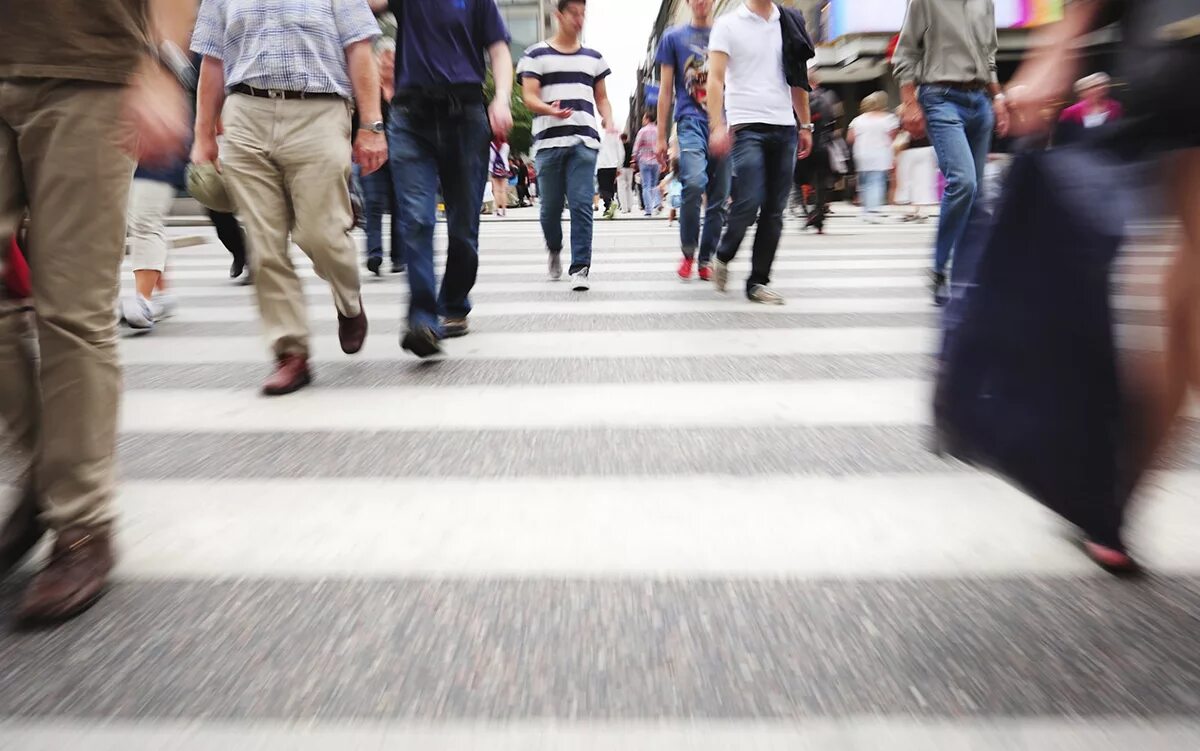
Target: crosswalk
pixel 647 516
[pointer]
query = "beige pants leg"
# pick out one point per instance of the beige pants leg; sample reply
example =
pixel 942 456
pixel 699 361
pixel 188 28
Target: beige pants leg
pixel 255 183
pixel 149 203
pixel 314 155
pixel 66 167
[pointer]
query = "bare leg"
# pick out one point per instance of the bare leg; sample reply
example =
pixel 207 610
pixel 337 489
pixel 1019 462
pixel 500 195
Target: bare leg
pixel 146 281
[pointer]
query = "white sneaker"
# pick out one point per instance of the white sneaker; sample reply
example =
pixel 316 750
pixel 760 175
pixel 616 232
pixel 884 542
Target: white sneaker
pixel 163 305
pixel 720 274
pixel 138 313
pixel 579 281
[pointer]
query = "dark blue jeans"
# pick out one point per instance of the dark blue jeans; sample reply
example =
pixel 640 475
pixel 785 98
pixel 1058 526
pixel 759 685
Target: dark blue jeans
pixel 960 125
pixel 428 144
pixel 566 175
pixel 763 160
pixel 701 174
pixel 381 199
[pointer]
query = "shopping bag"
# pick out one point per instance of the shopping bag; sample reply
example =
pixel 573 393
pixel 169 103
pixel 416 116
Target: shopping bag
pixel 1028 382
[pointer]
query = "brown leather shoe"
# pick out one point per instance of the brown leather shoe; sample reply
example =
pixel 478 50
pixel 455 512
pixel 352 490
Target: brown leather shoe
pixel 73 580
pixel 21 532
pixel 291 374
pixel 352 332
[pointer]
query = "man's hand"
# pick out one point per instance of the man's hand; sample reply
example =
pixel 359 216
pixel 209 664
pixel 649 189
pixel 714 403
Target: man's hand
pixel 611 127
pixel 805 144
pixel 720 141
pixel 1000 108
pixel 155 116
pixel 500 117
pixel 661 149
pixel 912 119
pixel 204 150
pixel 557 111
pixel 370 151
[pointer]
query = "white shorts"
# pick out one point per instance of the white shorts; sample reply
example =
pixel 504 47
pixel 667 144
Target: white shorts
pixel 917 177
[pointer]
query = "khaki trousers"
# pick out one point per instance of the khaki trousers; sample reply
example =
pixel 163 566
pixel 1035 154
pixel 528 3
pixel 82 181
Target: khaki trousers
pixel 60 159
pixel 287 163
pixel 149 205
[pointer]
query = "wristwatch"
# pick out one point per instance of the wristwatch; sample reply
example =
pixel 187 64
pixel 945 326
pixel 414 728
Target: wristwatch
pixel 807 126
pixel 375 127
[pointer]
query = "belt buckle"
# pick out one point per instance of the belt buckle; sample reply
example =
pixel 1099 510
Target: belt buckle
pixel 276 94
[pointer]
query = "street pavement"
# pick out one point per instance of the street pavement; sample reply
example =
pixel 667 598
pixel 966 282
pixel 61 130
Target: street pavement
pixel 645 516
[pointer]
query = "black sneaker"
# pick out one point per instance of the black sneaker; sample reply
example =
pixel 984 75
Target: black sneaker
pixel 940 287
pixel 452 328
pixel 374 264
pixel 421 341
pixel 237 267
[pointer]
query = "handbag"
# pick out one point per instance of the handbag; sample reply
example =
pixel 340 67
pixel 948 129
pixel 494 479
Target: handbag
pixel 1028 384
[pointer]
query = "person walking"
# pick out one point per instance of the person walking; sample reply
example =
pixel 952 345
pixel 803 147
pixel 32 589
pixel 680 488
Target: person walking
pixel 563 84
pixel 77 84
pixel 871 136
pixel 498 170
pixel 1094 108
pixel 816 169
pixel 286 156
pixel 150 199
pixel 645 154
pixel 945 62
pixel 916 175
pixel 683 69
pixel 607 165
pixel 438 136
pixel 748 85
pixel 625 176
pixel 378 187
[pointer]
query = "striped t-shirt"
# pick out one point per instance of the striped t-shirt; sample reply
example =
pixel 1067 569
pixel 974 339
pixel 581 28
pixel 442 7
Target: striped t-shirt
pixel 570 80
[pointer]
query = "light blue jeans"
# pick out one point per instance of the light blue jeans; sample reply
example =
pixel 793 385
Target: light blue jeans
pixel 701 174
pixel 872 190
pixel 960 125
pixel 651 199
pixel 567 175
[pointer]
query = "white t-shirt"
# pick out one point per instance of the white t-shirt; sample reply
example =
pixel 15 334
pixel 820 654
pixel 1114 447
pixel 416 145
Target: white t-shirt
pixel 873 136
pixel 612 152
pixel 755 88
pixel 568 78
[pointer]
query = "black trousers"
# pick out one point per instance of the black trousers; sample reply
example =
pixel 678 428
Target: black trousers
pixel 815 171
pixel 229 232
pixel 607 177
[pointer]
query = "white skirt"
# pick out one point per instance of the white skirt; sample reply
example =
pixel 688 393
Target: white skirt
pixel 917 177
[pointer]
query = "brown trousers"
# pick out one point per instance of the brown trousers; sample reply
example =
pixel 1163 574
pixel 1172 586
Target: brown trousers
pixel 60 160
pixel 287 163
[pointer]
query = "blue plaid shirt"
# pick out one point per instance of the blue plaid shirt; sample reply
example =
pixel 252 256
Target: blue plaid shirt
pixel 294 45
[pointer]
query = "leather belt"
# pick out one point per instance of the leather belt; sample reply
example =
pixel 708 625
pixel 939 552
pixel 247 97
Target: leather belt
pixel 242 88
pixel 961 85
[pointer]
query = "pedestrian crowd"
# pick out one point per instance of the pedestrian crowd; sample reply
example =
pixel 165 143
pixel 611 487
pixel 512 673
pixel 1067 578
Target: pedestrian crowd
pixel 273 116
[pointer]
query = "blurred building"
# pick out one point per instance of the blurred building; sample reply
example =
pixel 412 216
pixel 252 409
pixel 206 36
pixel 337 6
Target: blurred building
pixel 529 22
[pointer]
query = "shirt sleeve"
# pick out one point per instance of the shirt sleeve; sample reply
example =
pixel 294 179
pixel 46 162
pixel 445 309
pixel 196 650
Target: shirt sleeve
pixel 719 40
pixel 493 26
pixel 602 69
pixel 355 21
pixel 893 123
pixel 208 38
pixel 666 50
pixel 912 43
pixel 529 67
pixel 993 45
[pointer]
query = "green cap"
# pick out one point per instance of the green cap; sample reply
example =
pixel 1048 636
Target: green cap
pixel 207 186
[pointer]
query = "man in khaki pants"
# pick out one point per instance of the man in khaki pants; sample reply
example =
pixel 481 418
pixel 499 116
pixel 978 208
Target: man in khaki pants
pixel 82 96
pixel 280 84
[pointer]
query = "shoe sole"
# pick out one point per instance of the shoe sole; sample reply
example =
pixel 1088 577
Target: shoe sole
pixel 420 346
pixel 454 333
pixel 581 287
pixel 138 323
pixel 291 389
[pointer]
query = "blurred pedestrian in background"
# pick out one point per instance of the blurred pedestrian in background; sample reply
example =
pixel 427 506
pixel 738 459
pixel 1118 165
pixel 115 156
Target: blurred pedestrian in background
pixel 379 187
pixel 281 86
pixel 607 164
pixel 150 200
pixel 916 174
pixel 871 136
pixel 945 62
pixel 625 176
pixel 1094 108
pixel 439 135
pixel 649 167
pixel 86 93
pixel 498 169
pixel 563 84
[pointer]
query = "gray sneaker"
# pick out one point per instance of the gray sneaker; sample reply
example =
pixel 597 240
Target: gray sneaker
pixel 761 293
pixel 555 267
pixel 720 272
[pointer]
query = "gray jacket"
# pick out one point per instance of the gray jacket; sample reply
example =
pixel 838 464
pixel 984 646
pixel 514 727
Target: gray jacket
pixel 947 40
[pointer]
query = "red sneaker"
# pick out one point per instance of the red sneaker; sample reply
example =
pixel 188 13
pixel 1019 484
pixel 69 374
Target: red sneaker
pixel 685 269
pixel 706 273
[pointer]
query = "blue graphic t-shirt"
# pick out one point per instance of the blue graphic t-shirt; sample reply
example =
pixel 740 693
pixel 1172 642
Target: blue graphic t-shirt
pixel 686 49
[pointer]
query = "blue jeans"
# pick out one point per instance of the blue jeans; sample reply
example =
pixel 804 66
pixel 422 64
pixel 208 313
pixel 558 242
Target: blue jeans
pixel 701 174
pixel 763 161
pixel 872 190
pixel 960 125
pixel 651 199
pixel 381 199
pixel 428 144
pixel 566 174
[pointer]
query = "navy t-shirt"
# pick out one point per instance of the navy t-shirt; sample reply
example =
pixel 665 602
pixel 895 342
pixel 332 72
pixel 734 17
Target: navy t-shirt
pixel 444 42
pixel 686 49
